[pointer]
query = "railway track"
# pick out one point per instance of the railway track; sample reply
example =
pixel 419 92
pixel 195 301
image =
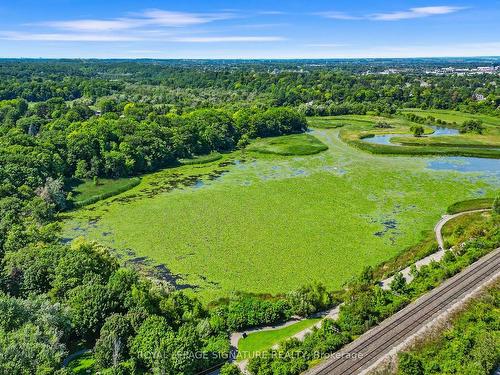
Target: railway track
pixel 374 344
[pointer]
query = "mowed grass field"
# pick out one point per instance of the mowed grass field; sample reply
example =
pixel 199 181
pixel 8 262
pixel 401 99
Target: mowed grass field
pixel 267 223
pixel 257 342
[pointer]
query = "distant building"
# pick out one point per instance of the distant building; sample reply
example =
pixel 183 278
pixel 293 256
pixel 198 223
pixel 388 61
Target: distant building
pixel 485 69
pixel 478 97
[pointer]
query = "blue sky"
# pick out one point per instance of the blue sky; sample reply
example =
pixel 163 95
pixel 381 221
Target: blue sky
pixel 248 29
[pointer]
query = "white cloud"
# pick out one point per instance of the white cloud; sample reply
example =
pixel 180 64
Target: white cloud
pixel 58 37
pixel 92 37
pixel 327 45
pixel 177 19
pixel 418 12
pixel 94 25
pixel 150 17
pixel 338 16
pixel 152 25
pixel 414 13
pixel 228 39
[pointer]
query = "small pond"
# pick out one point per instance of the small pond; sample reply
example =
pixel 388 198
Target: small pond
pixel 385 139
pixel 459 163
pixel 466 164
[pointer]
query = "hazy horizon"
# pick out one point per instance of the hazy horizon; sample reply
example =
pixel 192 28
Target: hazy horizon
pixel 470 58
pixel 242 30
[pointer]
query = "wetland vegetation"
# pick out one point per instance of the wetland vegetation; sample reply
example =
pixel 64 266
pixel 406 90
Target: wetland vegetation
pixel 300 144
pixel 293 206
pixel 202 215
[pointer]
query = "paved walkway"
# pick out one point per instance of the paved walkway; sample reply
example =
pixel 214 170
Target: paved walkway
pixel 334 312
pixel 439 226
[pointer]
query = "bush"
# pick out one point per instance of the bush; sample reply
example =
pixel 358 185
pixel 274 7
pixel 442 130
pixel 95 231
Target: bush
pixel 472 126
pixel 410 365
pixel 417 130
pixel 229 369
pixel 496 206
pixel 383 125
pixel 309 299
pixel 249 311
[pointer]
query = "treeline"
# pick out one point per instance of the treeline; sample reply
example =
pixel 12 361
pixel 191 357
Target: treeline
pixel 247 311
pixel 190 85
pixel 428 120
pixel 468 126
pixel 54 139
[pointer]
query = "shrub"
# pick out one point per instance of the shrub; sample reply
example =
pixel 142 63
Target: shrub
pixel 472 126
pixel 496 205
pixel 229 369
pixel 417 130
pixel 410 365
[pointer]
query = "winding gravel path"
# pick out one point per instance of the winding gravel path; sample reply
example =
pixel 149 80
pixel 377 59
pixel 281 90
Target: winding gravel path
pixel 439 226
pixel 334 312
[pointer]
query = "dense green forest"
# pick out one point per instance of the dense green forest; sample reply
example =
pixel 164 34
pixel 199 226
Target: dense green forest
pixel 66 120
pixel 316 87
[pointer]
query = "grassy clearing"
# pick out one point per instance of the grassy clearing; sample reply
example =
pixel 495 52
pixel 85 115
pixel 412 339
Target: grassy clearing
pixel 295 144
pixel 361 122
pixel 328 122
pixel 266 223
pixel 454 229
pixel 257 342
pixel 470 204
pixel 421 150
pixel 87 192
pixel 201 159
pixel 82 365
pixel 466 140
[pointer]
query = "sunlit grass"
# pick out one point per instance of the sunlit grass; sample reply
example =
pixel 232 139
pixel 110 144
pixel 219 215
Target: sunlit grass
pixel 82 365
pixel 257 342
pixel 471 204
pixel 295 144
